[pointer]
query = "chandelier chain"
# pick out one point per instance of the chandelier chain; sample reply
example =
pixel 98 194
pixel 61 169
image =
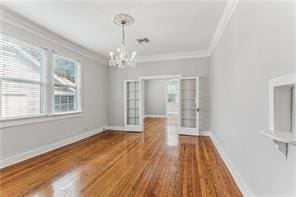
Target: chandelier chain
pixel 123 35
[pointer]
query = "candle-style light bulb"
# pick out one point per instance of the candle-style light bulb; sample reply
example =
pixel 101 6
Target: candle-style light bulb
pixel 133 55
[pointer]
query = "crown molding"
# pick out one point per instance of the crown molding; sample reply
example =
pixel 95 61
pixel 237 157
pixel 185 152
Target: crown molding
pixel 19 21
pixel 226 16
pixel 172 56
pixel 11 18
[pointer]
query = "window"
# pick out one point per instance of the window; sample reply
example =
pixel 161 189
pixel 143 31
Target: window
pixel 21 78
pixel 25 89
pixel 172 92
pixel 66 86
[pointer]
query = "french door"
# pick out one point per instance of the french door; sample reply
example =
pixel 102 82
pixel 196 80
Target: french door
pixel 189 106
pixel 132 105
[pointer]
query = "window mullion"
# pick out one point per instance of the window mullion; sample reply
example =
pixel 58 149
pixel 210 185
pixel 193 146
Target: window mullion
pixel 78 103
pixel 43 85
pixel 50 84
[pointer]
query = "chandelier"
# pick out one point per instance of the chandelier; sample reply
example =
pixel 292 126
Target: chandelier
pixel 122 59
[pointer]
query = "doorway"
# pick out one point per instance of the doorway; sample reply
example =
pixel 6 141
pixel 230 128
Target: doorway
pixel 154 97
pixel 135 103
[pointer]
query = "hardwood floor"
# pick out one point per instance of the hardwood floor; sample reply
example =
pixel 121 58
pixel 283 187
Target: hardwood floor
pixel 157 162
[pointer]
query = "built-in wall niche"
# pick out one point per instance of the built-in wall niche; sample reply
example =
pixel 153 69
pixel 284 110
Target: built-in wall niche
pixel 282 112
pixel 284 108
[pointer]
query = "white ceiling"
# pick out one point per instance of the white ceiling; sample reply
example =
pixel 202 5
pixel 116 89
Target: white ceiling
pixel 172 27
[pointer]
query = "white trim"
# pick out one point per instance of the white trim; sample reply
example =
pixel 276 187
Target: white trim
pixel 16 20
pixel 18 121
pixel 188 131
pixel 120 128
pixel 44 149
pixel 155 116
pixel 134 128
pixel 160 77
pixel 173 56
pixel 201 133
pixel 205 133
pixel 115 128
pixel 226 16
pixel 243 186
pixel 172 113
pixel 283 80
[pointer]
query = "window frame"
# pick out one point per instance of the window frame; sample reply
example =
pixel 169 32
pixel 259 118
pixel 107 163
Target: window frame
pixel 46 88
pixel 77 87
pixel 176 95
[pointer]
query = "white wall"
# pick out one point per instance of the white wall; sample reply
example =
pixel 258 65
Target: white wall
pixel 155 98
pixel 19 139
pixel 259 43
pixel 189 67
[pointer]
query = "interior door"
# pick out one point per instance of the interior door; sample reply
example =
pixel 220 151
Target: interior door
pixel 189 106
pixel 132 105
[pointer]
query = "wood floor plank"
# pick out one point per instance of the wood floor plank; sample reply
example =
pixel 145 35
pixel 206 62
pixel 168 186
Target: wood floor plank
pixel 157 162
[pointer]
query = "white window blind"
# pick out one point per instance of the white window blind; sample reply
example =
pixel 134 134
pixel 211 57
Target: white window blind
pixel 66 85
pixel 21 78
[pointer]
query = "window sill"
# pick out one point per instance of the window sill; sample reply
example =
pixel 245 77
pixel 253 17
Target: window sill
pixel 172 103
pixel 18 121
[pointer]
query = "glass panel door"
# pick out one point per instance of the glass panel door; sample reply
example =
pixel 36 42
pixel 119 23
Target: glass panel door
pixel 189 106
pixel 132 103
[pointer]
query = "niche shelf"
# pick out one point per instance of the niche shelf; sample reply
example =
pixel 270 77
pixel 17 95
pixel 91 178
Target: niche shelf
pixel 281 136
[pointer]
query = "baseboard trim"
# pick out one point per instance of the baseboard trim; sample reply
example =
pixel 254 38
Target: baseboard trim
pixel 243 186
pixel 173 113
pixel 115 128
pixel 44 149
pixel 154 116
pixel 205 133
pixel 119 128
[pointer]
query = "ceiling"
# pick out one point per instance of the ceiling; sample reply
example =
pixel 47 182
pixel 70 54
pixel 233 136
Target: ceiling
pixel 171 27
